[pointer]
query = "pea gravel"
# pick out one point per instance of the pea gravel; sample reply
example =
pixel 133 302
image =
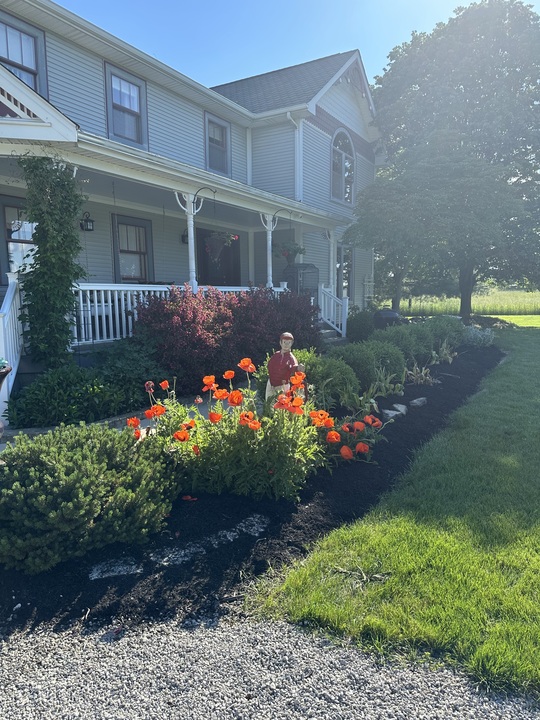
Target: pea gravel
pixel 231 669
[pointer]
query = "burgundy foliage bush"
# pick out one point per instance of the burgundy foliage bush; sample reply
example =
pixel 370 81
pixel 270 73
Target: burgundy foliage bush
pixel 196 334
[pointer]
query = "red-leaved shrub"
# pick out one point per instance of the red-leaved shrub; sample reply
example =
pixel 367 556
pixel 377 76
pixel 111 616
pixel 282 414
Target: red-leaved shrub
pixel 195 334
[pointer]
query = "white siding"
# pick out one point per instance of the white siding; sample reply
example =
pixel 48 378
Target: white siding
pixel 175 127
pixel 239 154
pixel 317 168
pixel 77 84
pixel 273 160
pixel 342 102
pixel 317 253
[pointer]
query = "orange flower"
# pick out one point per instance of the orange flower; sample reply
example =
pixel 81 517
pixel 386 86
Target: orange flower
pixel 329 422
pixel 246 417
pixel 164 384
pixel 190 424
pixel 137 434
pixel 133 422
pixel 181 435
pixel 297 379
pixel 347 427
pixel 297 402
pixel 196 450
pixel 158 410
pixel 346 452
pixel 254 425
pixel 209 382
pixel 359 426
pixel 283 403
pixel 362 447
pixel 247 365
pixel 149 414
pixel 221 394
pixel 235 398
pixel 228 374
pixel 333 437
pixel 214 417
pixel 319 418
pixel 373 421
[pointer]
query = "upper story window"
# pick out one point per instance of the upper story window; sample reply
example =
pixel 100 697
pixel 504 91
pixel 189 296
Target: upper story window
pixel 342 168
pixel 218 144
pixel 22 50
pixel 126 108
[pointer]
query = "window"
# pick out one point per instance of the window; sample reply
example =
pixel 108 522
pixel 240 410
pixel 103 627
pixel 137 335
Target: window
pixel 133 249
pixel 126 108
pixel 342 168
pixel 20 245
pixel 22 50
pixel 218 145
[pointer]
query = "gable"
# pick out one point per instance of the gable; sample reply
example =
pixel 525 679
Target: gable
pixel 28 117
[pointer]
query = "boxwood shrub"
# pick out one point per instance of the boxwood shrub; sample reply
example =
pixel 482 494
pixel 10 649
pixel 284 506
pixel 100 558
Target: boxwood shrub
pixel 77 488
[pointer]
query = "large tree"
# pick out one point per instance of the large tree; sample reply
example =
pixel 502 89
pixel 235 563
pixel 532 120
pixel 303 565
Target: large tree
pixel 475 78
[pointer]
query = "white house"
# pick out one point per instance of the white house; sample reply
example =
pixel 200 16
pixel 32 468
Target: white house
pixel 168 165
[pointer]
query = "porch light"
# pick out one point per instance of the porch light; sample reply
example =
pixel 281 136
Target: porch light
pixel 184 237
pixel 86 224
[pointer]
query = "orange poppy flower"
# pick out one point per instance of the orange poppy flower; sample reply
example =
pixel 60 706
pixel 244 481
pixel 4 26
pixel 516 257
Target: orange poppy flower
pixel 196 450
pixel 333 437
pixel 246 417
pixel 329 422
pixel 209 382
pixel 214 417
pixel 164 384
pixel 247 365
pixel 149 414
pixel 158 410
pixel 283 403
pixel 228 374
pixel 133 422
pixel 297 402
pixel 362 447
pixel 221 394
pixel 254 425
pixel 181 435
pixel 373 421
pixel 346 452
pixel 359 426
pixel 190 424
pixel 347 427
pixel 320 414
pixel 297 379
pixel 137 434
pixel 235 398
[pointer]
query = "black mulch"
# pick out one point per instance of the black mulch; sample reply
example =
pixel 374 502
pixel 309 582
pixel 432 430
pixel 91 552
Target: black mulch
pixel 216 567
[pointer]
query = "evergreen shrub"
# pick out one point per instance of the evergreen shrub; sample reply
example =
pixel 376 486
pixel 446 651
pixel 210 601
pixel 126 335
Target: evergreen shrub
pixel 360 357
pixel 388 357
pixel 77 488
pixel 446 328
pixel 360 325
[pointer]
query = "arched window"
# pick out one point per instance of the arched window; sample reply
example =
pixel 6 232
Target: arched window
pixel 342 168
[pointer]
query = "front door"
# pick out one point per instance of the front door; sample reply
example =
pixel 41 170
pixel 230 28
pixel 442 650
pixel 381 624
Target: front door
pixel 218 258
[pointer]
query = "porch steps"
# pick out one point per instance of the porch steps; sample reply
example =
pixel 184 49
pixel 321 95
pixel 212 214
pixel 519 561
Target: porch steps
pixel 330 336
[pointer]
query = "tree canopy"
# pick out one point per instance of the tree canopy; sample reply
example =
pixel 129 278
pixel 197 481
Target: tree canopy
pixel 459 114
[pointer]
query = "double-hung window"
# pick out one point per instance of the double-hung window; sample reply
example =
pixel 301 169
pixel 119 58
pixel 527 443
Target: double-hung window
pixel 22 50
pixel 218 156
pixel 342 168
pixel 132 238
pixel 126 108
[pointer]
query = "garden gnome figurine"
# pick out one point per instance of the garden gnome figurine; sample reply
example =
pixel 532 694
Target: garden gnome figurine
pixel 281 366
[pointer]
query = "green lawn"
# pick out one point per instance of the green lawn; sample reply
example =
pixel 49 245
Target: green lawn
pixel 495 302
pixel 449 562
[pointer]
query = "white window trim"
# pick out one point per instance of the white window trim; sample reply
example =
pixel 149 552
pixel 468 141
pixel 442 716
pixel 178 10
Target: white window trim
pixel 41 60
pixel 227 127
pixel 111 70
pixel 342 200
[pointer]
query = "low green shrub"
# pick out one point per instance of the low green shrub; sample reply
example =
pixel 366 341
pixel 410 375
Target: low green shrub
pixel 388 357
pixel 78 488
pixel 67 394
pixel 423 342
pixel 360 325
pixel 478 337
pixel 330 380
pixel 415 341
pixel 446 328
pixel 360 357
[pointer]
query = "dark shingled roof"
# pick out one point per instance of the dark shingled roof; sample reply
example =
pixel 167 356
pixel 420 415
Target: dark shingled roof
pixel 284 88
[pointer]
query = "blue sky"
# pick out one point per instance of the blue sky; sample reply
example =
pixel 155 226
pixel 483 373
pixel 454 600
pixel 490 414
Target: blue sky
pixel 215 42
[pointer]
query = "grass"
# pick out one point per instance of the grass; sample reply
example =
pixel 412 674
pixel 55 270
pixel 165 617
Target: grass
pixel 521 320
pixel 449 562
pixel 495 302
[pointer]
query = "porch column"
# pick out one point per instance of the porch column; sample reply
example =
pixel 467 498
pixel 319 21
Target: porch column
pixel 330 236
pixel 269 223
pixel 251 257
pixel 190 204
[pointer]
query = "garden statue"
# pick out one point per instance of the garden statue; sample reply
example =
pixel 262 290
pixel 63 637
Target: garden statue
pixel 281 366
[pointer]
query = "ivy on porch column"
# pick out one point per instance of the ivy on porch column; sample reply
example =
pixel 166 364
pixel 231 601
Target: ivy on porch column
pixel 269 223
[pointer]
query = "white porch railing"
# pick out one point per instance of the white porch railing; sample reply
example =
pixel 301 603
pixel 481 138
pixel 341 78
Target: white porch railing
pixel 11 339
pixel 334 310
pixel 106 312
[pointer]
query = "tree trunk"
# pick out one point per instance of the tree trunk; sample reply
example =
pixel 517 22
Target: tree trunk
pixel 398 289
pixel 466 286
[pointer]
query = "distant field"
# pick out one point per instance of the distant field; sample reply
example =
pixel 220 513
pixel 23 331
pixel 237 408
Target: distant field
pixel 521 320
pixel 502 303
